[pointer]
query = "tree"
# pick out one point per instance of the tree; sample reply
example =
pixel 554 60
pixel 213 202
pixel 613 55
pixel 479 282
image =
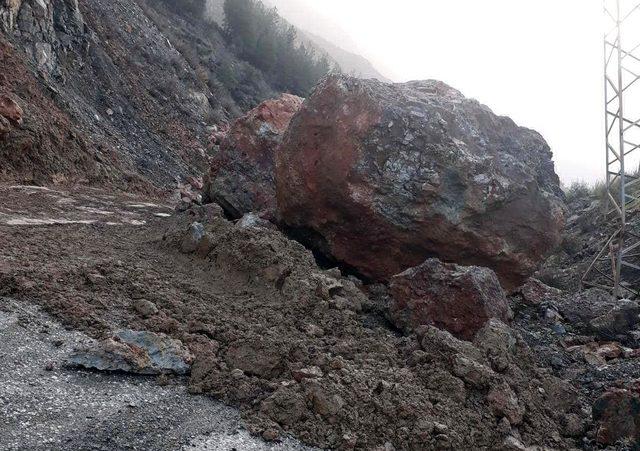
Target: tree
pixel 261 37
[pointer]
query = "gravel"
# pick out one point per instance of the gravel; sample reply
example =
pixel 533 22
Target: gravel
pixel 45 405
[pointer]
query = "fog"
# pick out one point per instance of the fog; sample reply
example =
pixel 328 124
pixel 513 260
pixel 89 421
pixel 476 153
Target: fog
pixel 537 61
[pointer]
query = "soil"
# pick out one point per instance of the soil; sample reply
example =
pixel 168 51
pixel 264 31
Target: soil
pixel 298 349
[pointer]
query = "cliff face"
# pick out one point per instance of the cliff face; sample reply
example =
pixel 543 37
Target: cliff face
pixel 115 90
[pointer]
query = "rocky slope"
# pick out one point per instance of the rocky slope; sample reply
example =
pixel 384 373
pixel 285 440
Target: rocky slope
pixel 114 91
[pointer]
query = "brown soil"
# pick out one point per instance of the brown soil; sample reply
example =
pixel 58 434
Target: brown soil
pixel 259 315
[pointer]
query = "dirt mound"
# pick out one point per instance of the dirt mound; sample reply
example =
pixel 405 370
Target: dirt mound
pixel 306 354
pixel 297 348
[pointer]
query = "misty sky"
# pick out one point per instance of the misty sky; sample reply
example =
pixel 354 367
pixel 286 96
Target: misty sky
pixel 537 61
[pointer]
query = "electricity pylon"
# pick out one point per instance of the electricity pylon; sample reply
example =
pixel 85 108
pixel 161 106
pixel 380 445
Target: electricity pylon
pixel 617 265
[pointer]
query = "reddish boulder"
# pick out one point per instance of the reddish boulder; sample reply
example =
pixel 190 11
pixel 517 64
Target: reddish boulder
pixel 10 110
pixel 459 299
pixel 617 414
pixel 5 126
pixel 241 178
pixel 535 292
pixel 382 176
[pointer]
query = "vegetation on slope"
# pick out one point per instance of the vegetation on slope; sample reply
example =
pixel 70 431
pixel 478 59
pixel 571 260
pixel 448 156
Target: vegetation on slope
pixel 260 36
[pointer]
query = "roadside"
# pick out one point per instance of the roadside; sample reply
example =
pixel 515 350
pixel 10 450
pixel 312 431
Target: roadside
pixel 45 405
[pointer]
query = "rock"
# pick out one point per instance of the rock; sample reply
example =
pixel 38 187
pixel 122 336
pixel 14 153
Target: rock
pixel 327 286
pixel 252 220
pixel 271 435
pixel 472 372
pixel 307 373
pixel 512 443
pixel 195 182
pixel 609 350
pixel 459 299
pixel 5 126
pixel 8 13
pixel 326 404
pixel 617 414
pixel 596 312
pixel 573 425
pixel 498 341
pixel 381 177
pixel 135 352
pixel 503 402
pixel 241 178
pixel 535 292
pixel 193 238
pixel 145 308
pixel 10 110
pixel 619 320
pixel 285 406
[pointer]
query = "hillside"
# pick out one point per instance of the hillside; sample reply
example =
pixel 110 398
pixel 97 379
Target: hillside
pixel 120 92
pixel 348 62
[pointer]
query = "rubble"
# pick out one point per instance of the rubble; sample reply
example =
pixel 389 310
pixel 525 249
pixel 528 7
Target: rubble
pixel 617 413
pixel 595 311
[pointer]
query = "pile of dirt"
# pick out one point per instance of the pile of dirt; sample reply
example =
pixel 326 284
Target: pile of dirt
pixel 299 349
pixel 310 355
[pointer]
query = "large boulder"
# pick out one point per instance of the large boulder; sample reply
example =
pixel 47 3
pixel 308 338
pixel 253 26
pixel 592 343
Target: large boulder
pixel 241 178
pixel 381 176
pixel 459 299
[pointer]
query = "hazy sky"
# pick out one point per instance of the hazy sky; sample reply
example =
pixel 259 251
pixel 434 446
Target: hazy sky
pixel 537 61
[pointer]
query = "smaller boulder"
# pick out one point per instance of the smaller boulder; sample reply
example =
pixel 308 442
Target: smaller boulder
pixel 137 352
pixel 617 414
pixel 241 177
pixel 193 238
pixel 459 299
pixel 535 292
pixel 145 308
pixel 10 110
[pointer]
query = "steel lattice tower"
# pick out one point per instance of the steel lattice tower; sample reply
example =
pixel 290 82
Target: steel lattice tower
pixel 617 265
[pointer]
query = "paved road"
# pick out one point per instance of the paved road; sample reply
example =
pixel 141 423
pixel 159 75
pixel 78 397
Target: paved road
pixel 46 406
